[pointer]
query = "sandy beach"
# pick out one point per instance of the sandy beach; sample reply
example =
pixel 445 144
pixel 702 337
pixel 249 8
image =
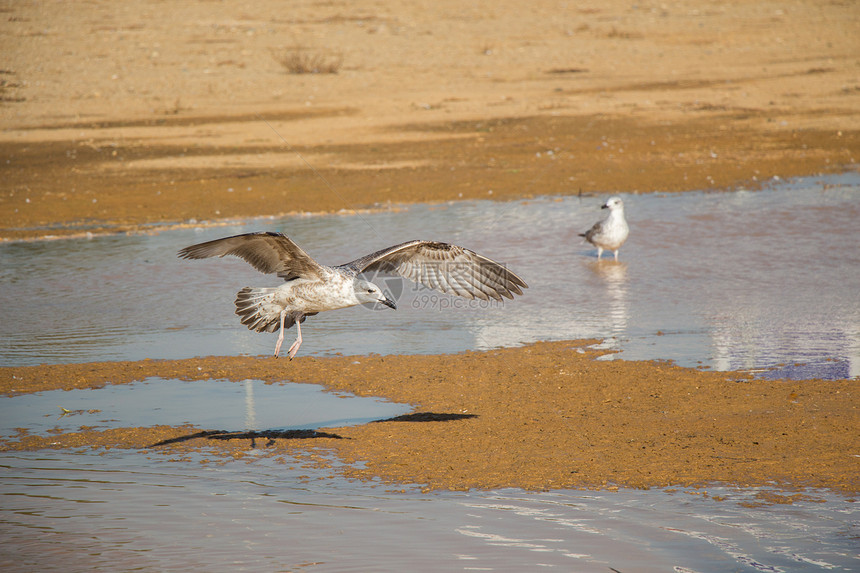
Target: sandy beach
pixel 129 117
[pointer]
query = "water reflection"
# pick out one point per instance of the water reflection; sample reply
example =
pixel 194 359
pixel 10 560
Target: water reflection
pixel 250 409
pixel 614 274
pixel 206 404
pixel 725 279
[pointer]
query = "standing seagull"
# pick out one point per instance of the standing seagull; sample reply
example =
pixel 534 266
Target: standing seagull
pixel 611 232
pixel 312 288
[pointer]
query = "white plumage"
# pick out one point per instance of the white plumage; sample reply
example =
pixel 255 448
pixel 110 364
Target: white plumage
pixel 611 232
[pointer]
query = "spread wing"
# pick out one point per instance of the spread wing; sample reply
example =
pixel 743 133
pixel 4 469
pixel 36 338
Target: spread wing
pixel 267 252
pixel 443 267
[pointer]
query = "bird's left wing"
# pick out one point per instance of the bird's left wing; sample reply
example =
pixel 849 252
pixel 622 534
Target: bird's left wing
pixel 265 251
pixel 447 268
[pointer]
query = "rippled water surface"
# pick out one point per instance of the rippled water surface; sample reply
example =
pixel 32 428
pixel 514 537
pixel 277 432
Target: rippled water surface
pixel 113 512
pixel 766 280
pixel 729 280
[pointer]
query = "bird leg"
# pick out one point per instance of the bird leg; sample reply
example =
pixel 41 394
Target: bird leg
pixel 281 334
pixel 616 255
pixel 295 347
pixel 599 252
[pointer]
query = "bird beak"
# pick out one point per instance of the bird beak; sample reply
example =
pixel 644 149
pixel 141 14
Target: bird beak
pixel 606 206
pixel 389 303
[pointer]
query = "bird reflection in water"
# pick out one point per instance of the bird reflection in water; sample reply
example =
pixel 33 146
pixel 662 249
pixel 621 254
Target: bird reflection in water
pixel 614 276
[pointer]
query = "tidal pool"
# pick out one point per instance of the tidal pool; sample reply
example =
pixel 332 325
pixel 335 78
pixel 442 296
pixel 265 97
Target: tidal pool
pixel 249 405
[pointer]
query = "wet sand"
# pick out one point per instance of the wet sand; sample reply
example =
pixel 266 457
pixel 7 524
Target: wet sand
pixel 118 118
pixel 539 417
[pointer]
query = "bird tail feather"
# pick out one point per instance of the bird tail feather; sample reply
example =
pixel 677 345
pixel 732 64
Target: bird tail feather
pixel 256 310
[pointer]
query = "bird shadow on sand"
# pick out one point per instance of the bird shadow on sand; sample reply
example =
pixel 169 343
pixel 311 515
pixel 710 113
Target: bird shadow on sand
pixel 271 435
pixel 428 417
pixel 254 435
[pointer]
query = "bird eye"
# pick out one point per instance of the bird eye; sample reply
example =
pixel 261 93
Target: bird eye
pixel 370 290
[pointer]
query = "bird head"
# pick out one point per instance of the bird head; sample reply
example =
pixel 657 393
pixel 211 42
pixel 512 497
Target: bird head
pixel 613 204
pixel 368 292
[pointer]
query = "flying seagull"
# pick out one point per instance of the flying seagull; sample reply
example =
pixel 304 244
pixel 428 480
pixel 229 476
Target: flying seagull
pixel 611 232
pixel 311 288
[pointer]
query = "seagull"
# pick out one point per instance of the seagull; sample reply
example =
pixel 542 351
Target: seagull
pixel 311 288
pixel 611 232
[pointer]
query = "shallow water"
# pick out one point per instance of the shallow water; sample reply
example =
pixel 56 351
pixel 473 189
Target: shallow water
pixel 132 511
pixel 209 404
pixel 734 280
pixel 727 280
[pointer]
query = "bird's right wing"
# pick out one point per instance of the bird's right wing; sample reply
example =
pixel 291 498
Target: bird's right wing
pixel 265 251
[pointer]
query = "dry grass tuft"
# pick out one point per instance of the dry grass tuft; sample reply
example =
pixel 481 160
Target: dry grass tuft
pixel 301 61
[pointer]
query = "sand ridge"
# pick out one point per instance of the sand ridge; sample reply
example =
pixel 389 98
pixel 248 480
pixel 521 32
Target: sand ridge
pixel 544 416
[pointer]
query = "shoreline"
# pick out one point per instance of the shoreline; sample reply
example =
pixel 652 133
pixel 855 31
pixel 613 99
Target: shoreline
pixel 73 231
pixel 132 188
